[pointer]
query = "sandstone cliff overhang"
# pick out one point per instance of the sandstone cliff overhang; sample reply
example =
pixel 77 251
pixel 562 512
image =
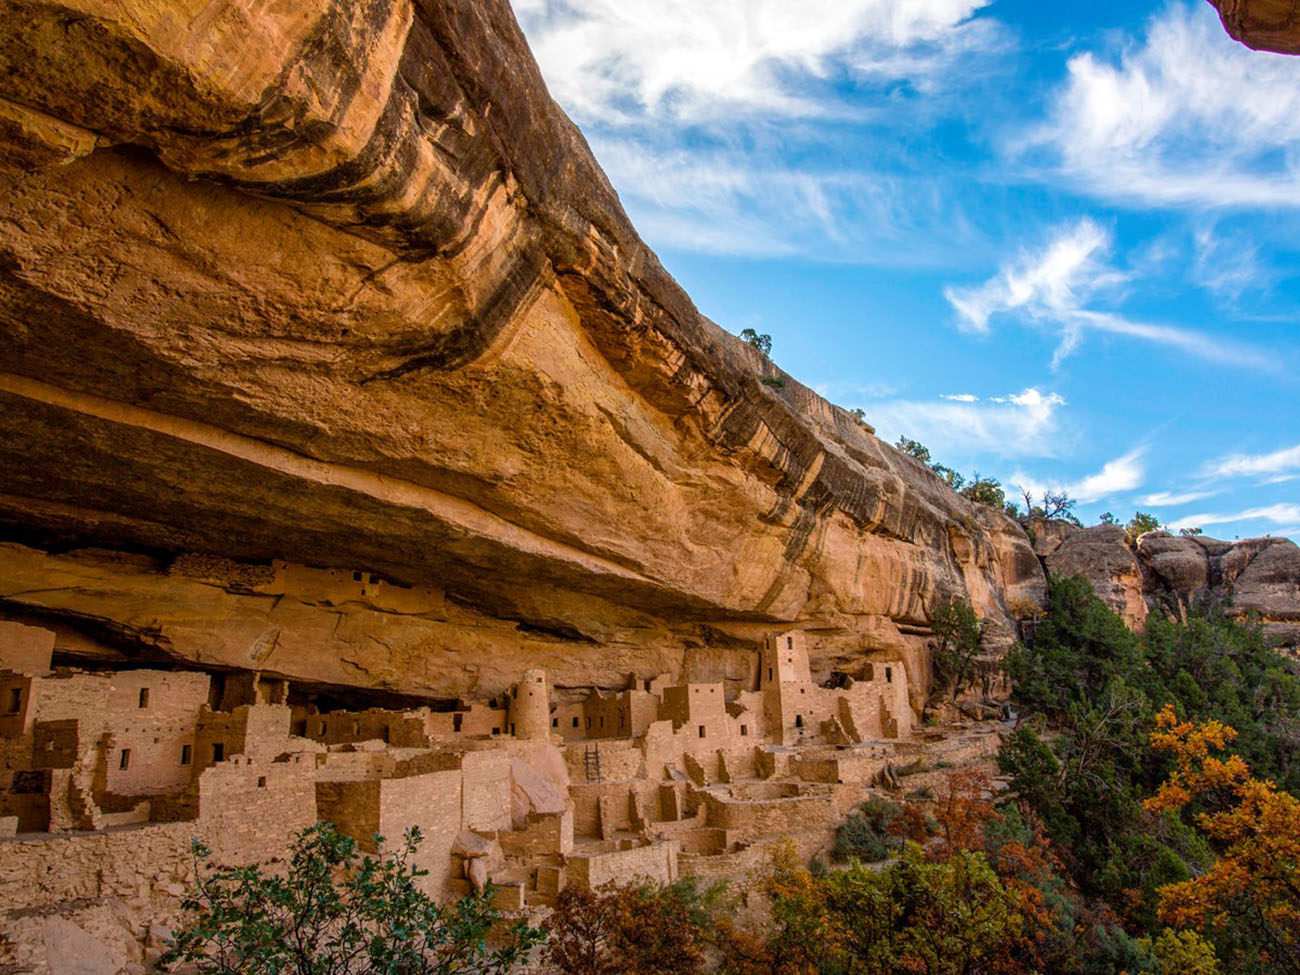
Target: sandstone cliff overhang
pixel 338 283
pixel 1265 25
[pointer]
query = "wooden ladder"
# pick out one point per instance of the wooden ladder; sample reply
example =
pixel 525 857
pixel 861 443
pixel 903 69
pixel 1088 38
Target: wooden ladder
pixel 591 759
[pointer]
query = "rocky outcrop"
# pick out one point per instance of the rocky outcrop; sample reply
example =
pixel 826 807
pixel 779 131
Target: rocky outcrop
pixel 337 283
pixel 1101 554
pixel 1258 577
pixel 1265 25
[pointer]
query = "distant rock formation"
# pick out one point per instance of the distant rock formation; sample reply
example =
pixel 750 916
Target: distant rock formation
pixel 1265 25
pixel 1258 577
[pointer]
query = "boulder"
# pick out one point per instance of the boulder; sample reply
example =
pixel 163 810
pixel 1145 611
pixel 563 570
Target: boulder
pixel 470 845
pixel 71 950
pixel 1102 555
pixel 533 792
pixel 476 872
pixel 1269 584
pixel 1180 564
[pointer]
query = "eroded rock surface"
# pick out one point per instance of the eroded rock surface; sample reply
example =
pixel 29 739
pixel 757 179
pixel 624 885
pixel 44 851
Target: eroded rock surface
pixel 1266 25
pixel 337 283
pixel 1257 577
pixel 1101 554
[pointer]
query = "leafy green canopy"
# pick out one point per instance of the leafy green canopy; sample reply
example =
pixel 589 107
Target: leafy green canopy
pixel 1093 689
pixel 335 912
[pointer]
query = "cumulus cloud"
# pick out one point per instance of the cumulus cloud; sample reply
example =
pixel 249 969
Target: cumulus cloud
pixel 1024 424
pixel 1270 465
pixel 1056 286
pixel 1117 476
pixel 1188 117
pixel 613 60
pixel 1278 514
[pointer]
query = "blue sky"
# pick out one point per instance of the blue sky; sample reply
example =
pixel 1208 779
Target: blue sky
pixel 1057 243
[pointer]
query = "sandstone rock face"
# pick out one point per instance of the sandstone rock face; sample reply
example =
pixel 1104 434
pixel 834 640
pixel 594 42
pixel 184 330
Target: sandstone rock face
pixel 1047 534
pixel 1101 554
pixel 1266 25
pixel 1257 577
pixel 337 283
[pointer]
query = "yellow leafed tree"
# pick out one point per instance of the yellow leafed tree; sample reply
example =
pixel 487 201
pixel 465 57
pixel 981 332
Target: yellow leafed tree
pixel 1253 827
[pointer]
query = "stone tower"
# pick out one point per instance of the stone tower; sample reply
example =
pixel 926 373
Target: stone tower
pixel 530 706
pixel 784 660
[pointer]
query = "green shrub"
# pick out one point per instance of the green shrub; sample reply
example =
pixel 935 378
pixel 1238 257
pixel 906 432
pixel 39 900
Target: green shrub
pixel 337 912
pixel 865 835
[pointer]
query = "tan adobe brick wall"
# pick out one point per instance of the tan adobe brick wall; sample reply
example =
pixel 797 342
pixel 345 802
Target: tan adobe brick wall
pixel 250 810
pixel 25 794
pixel 353 808
pixel 694 704
pixel 56 744
pixel 431 802
pixel 155 695
pixel 16 710
pixel 127 863
pixel 784 660
pixel 619 760
pixel 259 731
pixel 486 792
pixel 655 862
pixel 152 720
pixel 340 727
pixel 546 834
pixel 81 697
pixel 25 649
pixel 752 819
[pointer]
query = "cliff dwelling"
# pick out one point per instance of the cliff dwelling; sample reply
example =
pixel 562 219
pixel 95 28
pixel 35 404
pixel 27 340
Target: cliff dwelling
pixel 122 767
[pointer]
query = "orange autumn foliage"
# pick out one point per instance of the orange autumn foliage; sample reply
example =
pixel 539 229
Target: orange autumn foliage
pixel 1253 826
pixel 957 820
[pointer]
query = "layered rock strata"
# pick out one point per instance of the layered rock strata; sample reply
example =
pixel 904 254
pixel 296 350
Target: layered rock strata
pixel 338 284
pixel 1258 578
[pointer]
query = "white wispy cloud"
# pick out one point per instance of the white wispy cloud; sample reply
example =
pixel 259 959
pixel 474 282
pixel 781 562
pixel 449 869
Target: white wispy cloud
pixel 613 60
pixel 1279 462
pixel 1171 499
pixel 1187 117
pixel 1125 473
pixel 1056 286
pixel 1278 514
pixel 1024 424
pixel 961 397
pixel 856 391
pixel 1228 263
pixel 763 128
pixel 727 200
